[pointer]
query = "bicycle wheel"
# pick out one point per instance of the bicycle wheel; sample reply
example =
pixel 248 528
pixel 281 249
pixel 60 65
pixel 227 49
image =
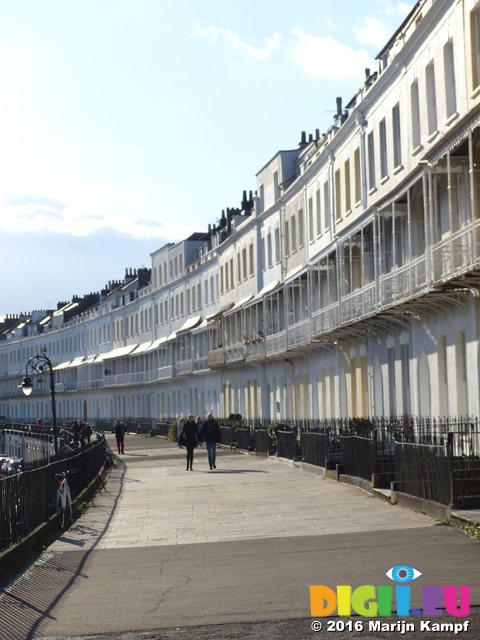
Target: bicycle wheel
pixel 68 506
pixel 60 509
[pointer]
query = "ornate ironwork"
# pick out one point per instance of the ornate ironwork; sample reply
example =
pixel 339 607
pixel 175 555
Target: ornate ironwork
pixel 41 363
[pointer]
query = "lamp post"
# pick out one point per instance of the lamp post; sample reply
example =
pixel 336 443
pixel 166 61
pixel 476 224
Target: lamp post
pixel 39 363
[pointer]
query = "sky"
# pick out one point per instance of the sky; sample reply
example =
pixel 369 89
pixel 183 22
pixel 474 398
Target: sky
pixel 126 124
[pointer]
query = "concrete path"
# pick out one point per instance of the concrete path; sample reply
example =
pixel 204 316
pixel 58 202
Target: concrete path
pixel 168 548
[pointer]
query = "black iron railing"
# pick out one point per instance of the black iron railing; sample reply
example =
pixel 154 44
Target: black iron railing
pixel 27 499
pixel 425 471
pixel 316 447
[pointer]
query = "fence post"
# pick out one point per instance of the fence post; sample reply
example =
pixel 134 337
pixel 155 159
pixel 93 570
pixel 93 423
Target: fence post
pixel 450 464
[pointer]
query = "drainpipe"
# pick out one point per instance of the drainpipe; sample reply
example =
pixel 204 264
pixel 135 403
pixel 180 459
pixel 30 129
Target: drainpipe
pixel 294 412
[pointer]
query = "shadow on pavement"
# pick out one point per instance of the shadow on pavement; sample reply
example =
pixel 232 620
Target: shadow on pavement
pixel 31 598
pixel 232 471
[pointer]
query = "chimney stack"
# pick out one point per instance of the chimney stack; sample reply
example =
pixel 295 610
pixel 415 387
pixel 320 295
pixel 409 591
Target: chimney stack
pixel 339 107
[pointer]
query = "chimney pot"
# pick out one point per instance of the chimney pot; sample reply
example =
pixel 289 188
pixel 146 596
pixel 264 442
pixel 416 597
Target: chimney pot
pixel 317 134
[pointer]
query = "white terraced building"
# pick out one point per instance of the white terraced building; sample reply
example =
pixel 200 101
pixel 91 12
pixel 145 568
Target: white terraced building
pixel 348 286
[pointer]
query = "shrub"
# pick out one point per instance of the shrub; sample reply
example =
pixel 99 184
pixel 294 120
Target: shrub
pixel 151 433
pixel 272 432
pixel 172 432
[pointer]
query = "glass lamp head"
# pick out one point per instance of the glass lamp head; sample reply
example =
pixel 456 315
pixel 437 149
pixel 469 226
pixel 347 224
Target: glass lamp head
pixel 27 385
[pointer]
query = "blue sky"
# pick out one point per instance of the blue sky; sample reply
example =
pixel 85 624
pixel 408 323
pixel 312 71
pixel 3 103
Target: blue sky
pixel 127 124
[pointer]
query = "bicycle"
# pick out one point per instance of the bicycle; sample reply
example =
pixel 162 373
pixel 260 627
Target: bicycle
pixel 64 498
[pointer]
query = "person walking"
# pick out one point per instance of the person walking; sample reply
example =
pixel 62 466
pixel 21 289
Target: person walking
pixel 189 438
pixel 210 434
pixel 119 435
pixel 76 433
pixel 83 433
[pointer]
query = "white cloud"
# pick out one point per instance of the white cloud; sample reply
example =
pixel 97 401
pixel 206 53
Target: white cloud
pixel 83 219
pixel 213 34
pixel 328 58
pixel 404 8
pixel 372 33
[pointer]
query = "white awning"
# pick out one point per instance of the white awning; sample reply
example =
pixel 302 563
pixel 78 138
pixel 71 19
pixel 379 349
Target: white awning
pixel 101 357
pixel 157 343
pixel 63 365
pixel 141 348
pixel 172 336
pixel 118 353
pixel 76 362
pixel 89 360
pixel 241 302
pixel 266 289
pixel 189 324
pixel 201 326
pixel 294 273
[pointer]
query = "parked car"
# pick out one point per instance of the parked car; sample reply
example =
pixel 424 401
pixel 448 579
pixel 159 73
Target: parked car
pixel 3 461
pixel 13 466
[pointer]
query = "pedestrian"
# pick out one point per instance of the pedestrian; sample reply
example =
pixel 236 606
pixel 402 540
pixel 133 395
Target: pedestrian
pixel 189 438
pixel 83 433
pixel 88 432
pixel 76 432
pixel 210 434
pixel 180 424
pixel 119 435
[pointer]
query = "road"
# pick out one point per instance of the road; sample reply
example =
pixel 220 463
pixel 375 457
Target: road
pixel 231 553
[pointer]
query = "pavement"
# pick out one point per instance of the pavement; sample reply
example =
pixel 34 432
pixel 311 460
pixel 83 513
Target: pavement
pixel 168 553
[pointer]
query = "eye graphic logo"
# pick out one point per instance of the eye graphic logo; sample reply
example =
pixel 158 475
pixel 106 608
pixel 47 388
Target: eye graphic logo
pixel 371 601
pixel 403 573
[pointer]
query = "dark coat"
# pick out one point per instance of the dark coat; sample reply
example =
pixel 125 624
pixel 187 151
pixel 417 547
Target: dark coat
pixel 189 436
pixel 210 431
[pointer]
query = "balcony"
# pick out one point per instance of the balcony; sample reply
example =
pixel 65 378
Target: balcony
pixel 255 349
pixel 90 385
pixel 276 343
pixel 235 352
pixel 161 373
pixel 404 283
pixel 325 319
pixel 183 367
pixel 200 363
pixel 122 379
pixel 358 304
pixel 299 333
pixel 455 254
pixel 216 357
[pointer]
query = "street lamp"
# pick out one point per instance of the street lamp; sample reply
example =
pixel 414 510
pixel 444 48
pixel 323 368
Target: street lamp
pixel 39 363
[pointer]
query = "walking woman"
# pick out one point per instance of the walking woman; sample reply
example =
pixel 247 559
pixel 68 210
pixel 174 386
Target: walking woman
pixel 189 438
